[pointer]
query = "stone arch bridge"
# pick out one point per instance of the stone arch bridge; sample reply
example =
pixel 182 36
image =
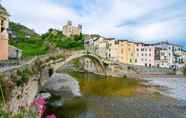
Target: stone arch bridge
pixel 94 58
pixel 57 64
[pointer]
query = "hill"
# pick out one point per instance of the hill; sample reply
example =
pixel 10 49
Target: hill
pixel 34 44
pixel 27 40
pixel 56 38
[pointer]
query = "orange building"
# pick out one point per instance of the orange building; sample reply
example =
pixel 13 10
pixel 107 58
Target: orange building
pixel 4 21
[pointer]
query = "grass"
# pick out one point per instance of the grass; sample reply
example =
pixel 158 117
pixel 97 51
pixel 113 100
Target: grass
pixel 31 47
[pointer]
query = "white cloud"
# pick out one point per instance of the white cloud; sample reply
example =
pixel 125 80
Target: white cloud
pixel 136 19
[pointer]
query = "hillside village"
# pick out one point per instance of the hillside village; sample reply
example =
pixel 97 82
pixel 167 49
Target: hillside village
pixel 66 73
pixel 162 54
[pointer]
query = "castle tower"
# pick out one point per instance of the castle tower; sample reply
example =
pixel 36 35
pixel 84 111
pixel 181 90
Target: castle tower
pixel 69 23
pixel 70 30
pixel 4 22
pixel 80 27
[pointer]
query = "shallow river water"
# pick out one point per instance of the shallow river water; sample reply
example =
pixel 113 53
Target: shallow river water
pixel 176 87
pixel 117 98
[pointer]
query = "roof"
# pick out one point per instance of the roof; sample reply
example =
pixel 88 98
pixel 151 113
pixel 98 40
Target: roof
pixel 167 43
pixel 3 10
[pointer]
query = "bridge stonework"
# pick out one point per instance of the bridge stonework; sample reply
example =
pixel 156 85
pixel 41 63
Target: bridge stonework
pixel 93 57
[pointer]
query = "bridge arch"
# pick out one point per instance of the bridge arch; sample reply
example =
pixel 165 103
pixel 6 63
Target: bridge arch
pixel 93 57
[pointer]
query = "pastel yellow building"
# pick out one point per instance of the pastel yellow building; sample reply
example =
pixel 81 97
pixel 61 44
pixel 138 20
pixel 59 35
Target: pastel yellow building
pixel 127 52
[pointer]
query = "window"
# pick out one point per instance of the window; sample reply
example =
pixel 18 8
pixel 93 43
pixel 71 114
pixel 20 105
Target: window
pixel 136 60
pixel 130 60
pixel 142 54
pixel 137 49
pixel 150 65
pixel 2 26
pixel 150 54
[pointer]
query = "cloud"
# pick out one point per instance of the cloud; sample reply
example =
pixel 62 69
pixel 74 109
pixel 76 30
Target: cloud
pixel 142 20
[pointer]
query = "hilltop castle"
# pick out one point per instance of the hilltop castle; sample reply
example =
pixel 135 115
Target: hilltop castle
pixel 70 30
pixel 4 22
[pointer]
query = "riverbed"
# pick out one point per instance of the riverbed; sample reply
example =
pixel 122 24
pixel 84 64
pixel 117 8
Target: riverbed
pixel 119 98
pixel 173 86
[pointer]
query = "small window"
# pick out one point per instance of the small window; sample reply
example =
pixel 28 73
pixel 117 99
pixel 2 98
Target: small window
pixel 136 60
pixel 130 60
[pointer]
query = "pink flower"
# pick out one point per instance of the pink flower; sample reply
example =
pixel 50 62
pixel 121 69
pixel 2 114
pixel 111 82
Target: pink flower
pixel 41 101
pixel 40 104
pixel 51 116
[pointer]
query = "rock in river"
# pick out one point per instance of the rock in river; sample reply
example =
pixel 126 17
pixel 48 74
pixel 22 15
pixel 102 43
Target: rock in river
pixel 62 85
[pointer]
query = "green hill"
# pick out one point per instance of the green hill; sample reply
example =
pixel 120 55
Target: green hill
pixel 27 40
pixel 22 31
pixel 56 38
pixel 34 44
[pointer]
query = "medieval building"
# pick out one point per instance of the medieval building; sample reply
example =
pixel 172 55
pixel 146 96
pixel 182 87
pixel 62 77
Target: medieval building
pixel 70 30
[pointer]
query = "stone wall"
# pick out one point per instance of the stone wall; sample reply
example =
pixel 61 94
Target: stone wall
pixel 125 69
pixel 23 81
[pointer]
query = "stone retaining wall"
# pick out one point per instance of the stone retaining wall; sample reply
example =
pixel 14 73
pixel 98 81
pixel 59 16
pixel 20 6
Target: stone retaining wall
pixel 23 79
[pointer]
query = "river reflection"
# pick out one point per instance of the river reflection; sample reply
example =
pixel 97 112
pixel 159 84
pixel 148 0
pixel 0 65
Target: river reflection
pixel 116 98
pixel 94 87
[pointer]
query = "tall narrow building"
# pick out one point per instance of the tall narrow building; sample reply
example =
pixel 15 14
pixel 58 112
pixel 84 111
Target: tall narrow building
pixel 4 22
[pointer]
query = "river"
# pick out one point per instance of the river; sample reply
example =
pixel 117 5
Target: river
pixel 118 98
pixel 175 87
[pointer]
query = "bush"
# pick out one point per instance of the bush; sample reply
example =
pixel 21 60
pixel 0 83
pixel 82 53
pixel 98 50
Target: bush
pixel 24 77
pixel 61 41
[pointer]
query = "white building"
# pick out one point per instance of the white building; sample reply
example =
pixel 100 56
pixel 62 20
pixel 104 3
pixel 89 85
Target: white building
pixel 145 54
pixel 170 55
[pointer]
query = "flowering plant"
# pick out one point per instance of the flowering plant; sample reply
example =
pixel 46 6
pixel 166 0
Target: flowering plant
pixel 40 104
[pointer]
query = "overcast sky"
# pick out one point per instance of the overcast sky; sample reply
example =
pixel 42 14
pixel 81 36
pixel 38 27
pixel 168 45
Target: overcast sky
pixel 140 20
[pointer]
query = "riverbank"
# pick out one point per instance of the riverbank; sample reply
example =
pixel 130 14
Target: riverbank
pixel 144 101
pixel 138 106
